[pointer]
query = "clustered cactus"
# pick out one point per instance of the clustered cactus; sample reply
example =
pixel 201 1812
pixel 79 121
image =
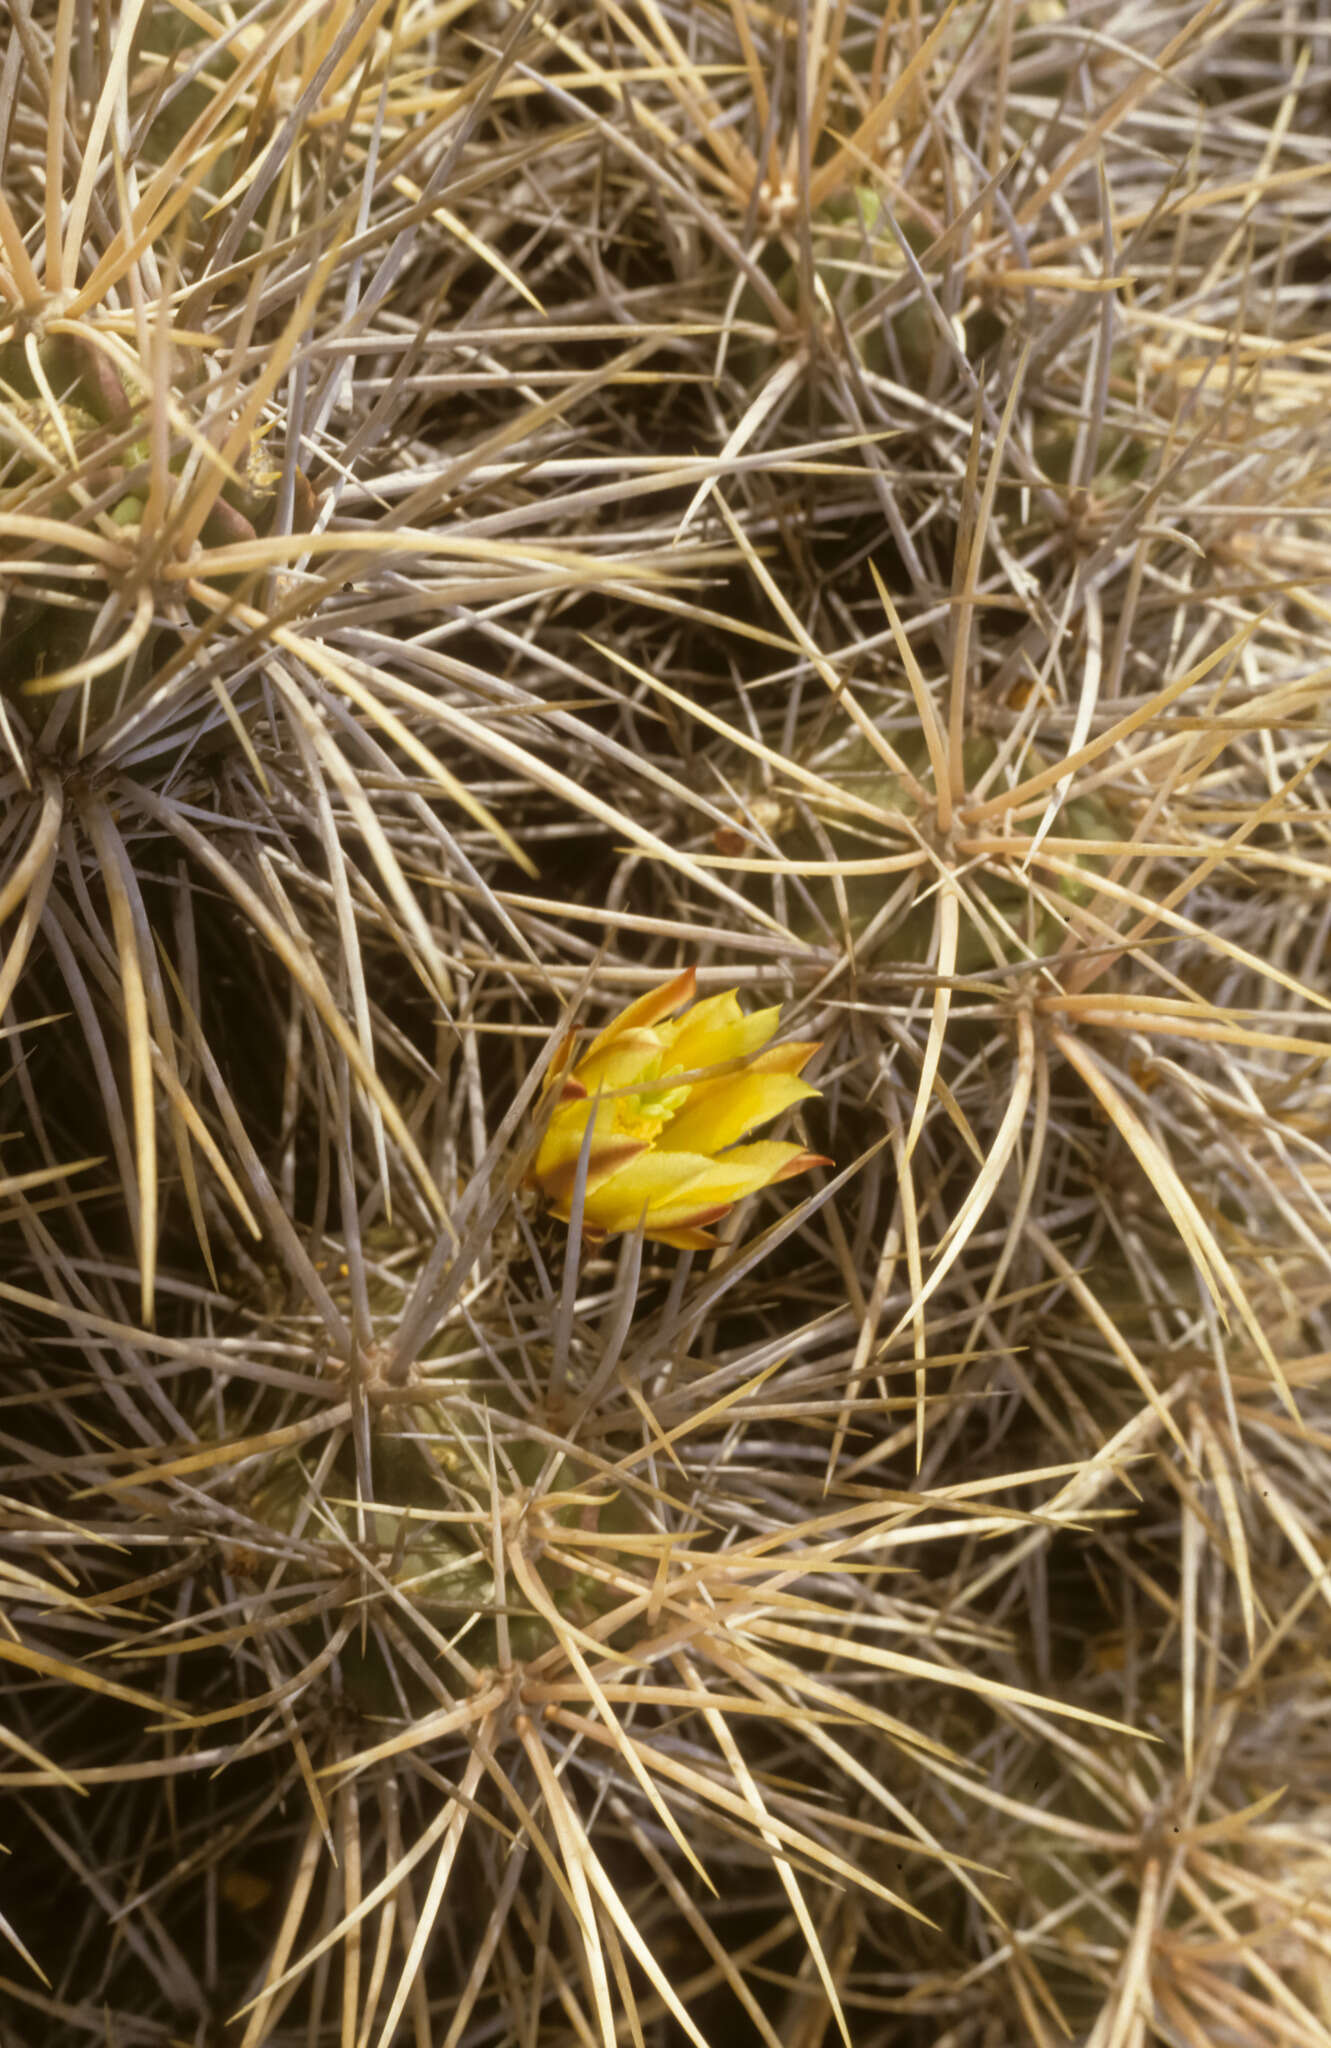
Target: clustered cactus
pixel 558 567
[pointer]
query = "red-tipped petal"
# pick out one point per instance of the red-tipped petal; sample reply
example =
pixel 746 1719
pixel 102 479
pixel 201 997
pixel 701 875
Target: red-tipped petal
pixel 801 1165
pixel 691 1238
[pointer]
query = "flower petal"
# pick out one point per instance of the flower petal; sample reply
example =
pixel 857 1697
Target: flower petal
pixel 790 1058
pixel 746 1168
pixel 692 1237
pixel 648 1010
pixel 556 1164
pixel 721 1182
pixel 768 1162
pixel 651 1183
pixel 800 1163
pixel 716 1030
pixel 718 1112
pixel 634 1057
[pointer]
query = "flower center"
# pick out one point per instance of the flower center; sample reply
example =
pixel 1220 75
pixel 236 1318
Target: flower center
pixel 645 1113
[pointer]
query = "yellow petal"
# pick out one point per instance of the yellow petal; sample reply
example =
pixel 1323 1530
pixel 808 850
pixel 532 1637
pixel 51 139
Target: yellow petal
pixel 741 1171
pixel 790 1058
pixel 682 1190
pixel 715 1030
pixel 557 1160
pixel 634 1057
pixel 777 1161
pixel 653 1181
pixel 647 1010
pixel 718 1112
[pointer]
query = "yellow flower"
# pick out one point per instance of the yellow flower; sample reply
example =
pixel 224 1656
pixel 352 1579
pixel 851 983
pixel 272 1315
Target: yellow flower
pixel 667 1102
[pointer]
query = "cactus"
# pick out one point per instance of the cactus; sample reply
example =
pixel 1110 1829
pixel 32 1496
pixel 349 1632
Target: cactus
pixel 512 516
